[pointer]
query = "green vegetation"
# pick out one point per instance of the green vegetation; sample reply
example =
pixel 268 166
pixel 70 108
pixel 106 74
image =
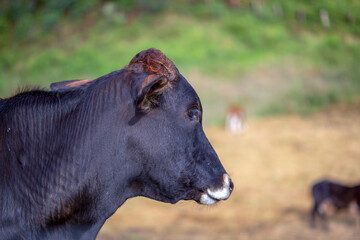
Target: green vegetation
pixel 47 41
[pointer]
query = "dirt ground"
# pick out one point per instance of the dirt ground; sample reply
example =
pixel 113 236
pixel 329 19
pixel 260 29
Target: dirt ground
pixel 273 165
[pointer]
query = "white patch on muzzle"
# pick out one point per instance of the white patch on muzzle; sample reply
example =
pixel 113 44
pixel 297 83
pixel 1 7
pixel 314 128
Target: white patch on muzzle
pixel 213 196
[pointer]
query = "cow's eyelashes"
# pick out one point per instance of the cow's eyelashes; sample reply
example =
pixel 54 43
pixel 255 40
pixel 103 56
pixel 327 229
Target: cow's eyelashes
pixel 193 114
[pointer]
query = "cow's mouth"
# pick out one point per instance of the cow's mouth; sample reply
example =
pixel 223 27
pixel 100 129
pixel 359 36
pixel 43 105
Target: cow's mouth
pixel 211 196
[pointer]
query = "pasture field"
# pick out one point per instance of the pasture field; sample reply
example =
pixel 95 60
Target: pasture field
pixel 273 165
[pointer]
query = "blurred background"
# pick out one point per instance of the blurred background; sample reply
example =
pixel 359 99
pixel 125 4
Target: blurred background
pixel 291 67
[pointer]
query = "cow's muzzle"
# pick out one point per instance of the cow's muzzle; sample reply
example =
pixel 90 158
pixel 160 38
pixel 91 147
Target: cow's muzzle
pixel 211 196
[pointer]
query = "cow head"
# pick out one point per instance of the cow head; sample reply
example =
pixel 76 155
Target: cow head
pixel 178 161
pixel 164 150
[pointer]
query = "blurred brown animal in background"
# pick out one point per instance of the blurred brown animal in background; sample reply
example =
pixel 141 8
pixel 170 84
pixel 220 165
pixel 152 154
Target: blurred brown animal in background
pixel 235 120
pixel 328 194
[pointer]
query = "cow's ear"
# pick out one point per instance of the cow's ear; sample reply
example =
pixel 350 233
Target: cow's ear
pixel 150 91
pixel 65 85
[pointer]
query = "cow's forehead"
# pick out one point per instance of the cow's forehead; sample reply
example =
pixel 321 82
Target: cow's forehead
pixel 185 92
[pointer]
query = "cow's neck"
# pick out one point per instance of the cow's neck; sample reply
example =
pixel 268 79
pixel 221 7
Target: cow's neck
pixel 51 146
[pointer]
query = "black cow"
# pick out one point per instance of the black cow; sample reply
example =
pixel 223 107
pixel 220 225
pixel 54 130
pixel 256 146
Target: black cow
pixel 70 157
pixel 339 196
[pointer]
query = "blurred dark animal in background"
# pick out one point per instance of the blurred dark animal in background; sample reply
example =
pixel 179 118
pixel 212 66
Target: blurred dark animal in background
pixel 327 194
pixel 235 120
pixel 70 157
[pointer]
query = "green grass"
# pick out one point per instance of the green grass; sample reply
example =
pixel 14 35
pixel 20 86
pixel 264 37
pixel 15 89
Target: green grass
pixel 221 43
pixel 215 46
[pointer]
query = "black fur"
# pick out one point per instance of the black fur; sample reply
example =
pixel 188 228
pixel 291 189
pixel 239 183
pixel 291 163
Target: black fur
pixel 336 194
pixel 69 158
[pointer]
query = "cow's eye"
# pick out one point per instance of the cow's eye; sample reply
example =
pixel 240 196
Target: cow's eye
pixel 193 114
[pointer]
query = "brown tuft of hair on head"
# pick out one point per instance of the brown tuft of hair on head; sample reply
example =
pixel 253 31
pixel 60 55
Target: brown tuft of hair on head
pixel 155 62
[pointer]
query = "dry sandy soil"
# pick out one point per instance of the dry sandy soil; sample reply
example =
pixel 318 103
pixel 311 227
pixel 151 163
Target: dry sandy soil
pixel 273 165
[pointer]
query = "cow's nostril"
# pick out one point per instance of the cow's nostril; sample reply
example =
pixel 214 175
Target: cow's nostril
pixel 224 191
pixel 231 186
